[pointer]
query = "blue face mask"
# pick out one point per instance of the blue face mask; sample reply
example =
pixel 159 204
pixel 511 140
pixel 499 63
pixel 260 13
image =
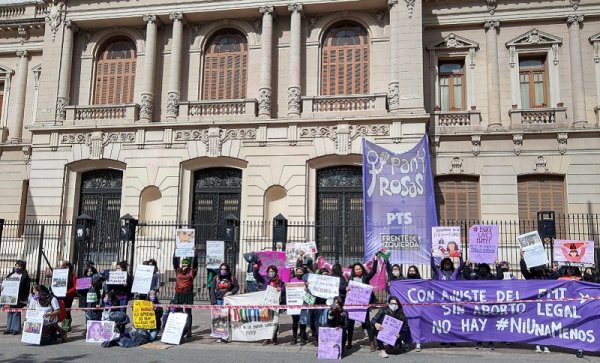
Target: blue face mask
pixel 36 297
pixel 17 270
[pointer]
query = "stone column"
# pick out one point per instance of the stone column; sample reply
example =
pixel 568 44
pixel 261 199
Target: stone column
pixel 295 90
pixel 264 92
pixel 147 101
pixel 394 85
pixel 64 82
pixel 175 66
pixel 493 74
pixel 577 86
pixel 15 119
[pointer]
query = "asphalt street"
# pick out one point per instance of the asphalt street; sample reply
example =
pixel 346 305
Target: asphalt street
pixel 203 348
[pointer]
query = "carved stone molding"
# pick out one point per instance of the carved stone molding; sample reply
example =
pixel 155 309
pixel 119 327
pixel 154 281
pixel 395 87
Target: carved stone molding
pixel 574 20
pixel 268 9
pixel 436 144
pixel 318 132
pixel 173 104
pixel 456 165
pixel 26 153
pixel 295 8
pixel 562 138
pixel 151 18
pixel 146 106
pixel 491 6
pixel 176 16
pixel 312 23
pixel 518 143
pixel 391 3
pixel 476 142
pixel 369 130
pixel 22 53
pixel 23 34
pixel 393 96
pixel 574 4
pixel 61 112
pixel 97 140
pixel 491 25
pixel 55 17
pixel 410 6
pixel 264 101
pixel 294 101
pixel 540 165
pixel 214 137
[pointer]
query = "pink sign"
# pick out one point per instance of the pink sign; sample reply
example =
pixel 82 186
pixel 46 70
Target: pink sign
pixel 276 258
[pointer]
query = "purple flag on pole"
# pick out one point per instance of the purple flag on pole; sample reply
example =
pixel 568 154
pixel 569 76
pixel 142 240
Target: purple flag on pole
pixel 544 312
pixel 399 202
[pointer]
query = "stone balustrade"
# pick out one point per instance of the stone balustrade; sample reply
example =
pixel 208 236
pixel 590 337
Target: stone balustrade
pixel 457 118
pixel 84 115
pixel 538 116
pixel 197 110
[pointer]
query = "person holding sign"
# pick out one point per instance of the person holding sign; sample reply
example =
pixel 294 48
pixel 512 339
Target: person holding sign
pixel 393 310
pixel 446 271
pixel 359 274
pixel 83 287
pixel 272 279
pixel 223 284
pixel 69 296
pixel 184 286
pixel 299 321
pixel 121 288
pixel 338 318
pixel 19 284
pixel 43 301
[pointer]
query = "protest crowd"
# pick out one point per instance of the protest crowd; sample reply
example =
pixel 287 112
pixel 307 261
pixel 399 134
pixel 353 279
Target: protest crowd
pixel 323 300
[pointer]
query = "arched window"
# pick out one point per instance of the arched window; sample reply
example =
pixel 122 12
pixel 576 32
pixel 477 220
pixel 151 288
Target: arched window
pixel 225 66
pixel 345 60
pixel 115 73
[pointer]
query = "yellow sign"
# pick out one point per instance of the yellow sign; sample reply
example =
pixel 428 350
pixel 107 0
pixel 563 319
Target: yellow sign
pixel 143 315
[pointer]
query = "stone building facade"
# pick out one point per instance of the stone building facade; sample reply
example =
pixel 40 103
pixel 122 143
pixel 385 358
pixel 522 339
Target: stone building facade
pixel 190 111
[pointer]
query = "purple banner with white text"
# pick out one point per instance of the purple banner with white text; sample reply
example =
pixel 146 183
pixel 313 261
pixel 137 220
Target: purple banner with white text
pixel 544 312
pixel 399 202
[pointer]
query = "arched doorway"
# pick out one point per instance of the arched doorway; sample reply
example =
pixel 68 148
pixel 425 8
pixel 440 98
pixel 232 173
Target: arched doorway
pixel 340 214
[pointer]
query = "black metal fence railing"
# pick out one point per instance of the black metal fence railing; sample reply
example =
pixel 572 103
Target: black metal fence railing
pixel 43 244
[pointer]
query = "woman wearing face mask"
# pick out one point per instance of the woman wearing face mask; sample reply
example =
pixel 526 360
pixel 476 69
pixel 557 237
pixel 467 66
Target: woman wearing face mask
pixel 13 319
pixel 337 318
pixel 122 292
pixel 93 299
pixel 360 274
pixel 446 271
pixel 503 271
pixel 155 284
pixel 43 301
pixel 272 279
pixel 394 310
pixel 223 284
pixel 299 321
pixel 589 275
pixel 481 272
pixel 184 287
pixel 413 273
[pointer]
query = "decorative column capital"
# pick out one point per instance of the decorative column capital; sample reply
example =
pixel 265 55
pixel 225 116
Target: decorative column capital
pixel 22 53
pixel 146 106
pixel 173 104
pixel 266 10
pixel 491 25
pixel 295 8
pixel 393 96
pixel 264 102
pixel 392 3
pixel 294 100
pixel 574 20
pixel 70 24
pixel 151 19
pixel 177 16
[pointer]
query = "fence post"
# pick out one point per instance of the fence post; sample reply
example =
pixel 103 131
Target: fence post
pixel 39 257
pixel 1 231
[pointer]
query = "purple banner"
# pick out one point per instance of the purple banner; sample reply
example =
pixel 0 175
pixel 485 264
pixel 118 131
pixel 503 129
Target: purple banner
pixel 483 243
pixel 399 202
pixel 358 294
pixel 544 312
pixel 330 343
pixel 276 258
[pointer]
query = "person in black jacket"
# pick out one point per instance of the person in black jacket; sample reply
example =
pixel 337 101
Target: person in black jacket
pixel 122 291
pixel 360 274
pixel 13 319
pixel 394 310
pixel 338 318
pixel 481 272
pixel 224 284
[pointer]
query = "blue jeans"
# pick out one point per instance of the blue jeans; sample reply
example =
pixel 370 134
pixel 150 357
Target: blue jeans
pixel 220 302
pixel 13 322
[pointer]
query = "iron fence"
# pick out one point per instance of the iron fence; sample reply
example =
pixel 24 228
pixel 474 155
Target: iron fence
pixel 43 244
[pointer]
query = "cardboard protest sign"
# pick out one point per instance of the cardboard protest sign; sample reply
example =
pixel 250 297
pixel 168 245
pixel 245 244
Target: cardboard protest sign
pixel 358 294
pixel 143 315
pixel 330 343
pixel 184 242
pixel 142 280
pixel 59 281
pixel 117 278
pixel 215 254
pixel 483 243
pixel 272 296
pixel 446 241
pixel 296 250
pixel 100 331
pixel 574 252
pixel 390 331
pixel 174 328
pixel 83 283
pixel 219 327
pixel 324 286
pixel 10 290
pixel 294 296
pixel 276 258
pixel 248 325
pixel 32 328
pixel 533 249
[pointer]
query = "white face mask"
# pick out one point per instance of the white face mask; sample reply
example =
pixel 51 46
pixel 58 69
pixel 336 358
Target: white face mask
pixel 396 273
pixel 393 307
